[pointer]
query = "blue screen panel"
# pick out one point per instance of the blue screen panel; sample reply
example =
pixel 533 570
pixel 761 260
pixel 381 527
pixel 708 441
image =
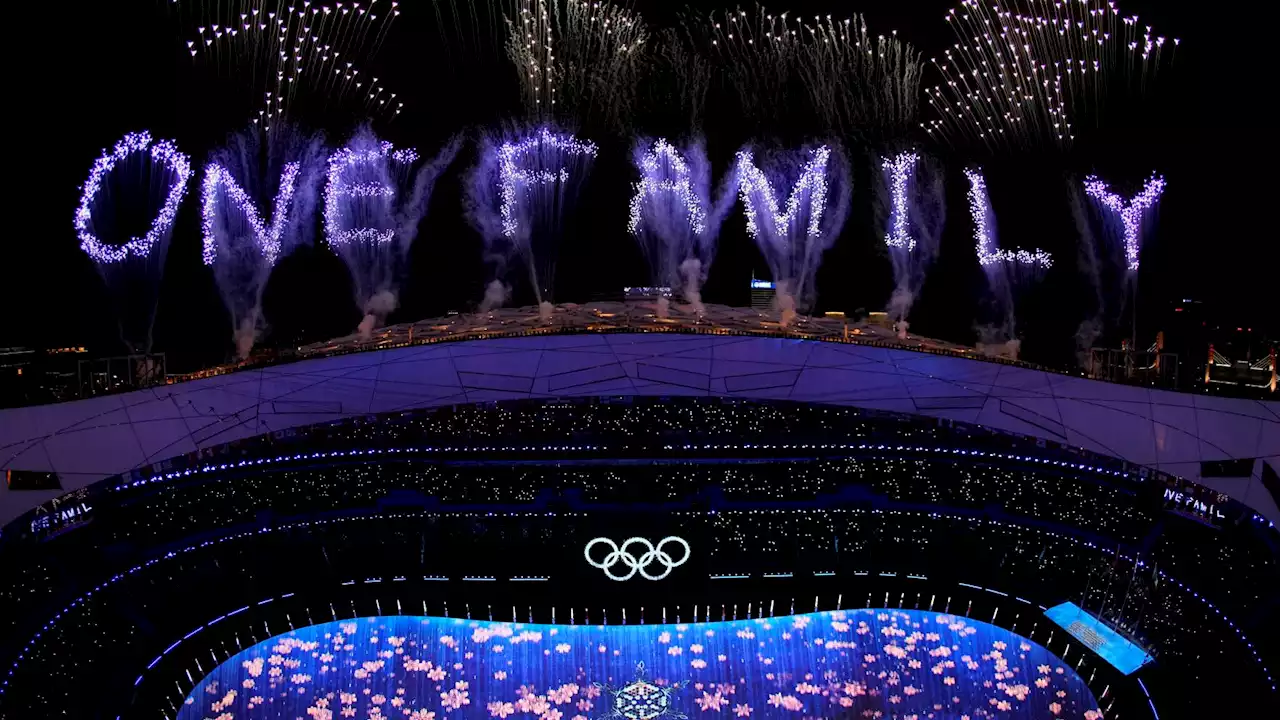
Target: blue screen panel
pixel 1110 645
pixel 850 664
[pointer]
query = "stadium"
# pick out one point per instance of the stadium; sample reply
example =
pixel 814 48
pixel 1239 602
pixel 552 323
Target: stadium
pixel 697 522
pixel 639 360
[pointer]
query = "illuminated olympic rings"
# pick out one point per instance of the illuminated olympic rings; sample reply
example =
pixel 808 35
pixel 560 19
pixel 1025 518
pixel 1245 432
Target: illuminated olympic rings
pixel 637 563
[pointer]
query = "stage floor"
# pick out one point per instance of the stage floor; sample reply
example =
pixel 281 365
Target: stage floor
pixel 843 664
pixel 1110 645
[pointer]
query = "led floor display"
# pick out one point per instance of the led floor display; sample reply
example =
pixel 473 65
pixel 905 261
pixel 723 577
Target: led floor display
pixel 852 664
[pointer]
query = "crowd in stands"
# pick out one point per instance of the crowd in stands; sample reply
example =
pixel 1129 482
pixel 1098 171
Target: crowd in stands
pixel 871 494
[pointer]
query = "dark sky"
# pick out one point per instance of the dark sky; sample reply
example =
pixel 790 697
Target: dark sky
pixel 110 68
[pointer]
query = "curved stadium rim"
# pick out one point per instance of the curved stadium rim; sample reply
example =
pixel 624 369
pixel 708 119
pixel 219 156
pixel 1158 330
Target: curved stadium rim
pixel 383 338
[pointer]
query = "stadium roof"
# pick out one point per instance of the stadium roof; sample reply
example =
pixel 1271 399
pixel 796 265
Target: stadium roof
pixel 589 350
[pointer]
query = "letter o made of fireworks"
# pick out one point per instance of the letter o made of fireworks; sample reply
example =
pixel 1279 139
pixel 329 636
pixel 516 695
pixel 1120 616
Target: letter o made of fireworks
pixel 163 152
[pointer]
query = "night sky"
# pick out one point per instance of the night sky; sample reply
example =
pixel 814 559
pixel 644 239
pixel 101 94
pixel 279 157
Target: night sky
pixel 92 73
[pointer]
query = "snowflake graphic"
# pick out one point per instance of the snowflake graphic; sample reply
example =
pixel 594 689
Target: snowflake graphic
pixel 642 700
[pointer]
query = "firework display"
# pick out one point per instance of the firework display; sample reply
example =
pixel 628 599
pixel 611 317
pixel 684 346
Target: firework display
pixel 673 215
pixel 577 60
pixel 1008 272
pixel 984 230
pixel 915 213
pixel 1025 74
pixel 793 239
pixel 373 202
pixel 830 664
pixel 518 195
pixel 287 51
pixel 1131 213
pixel 1022 75
pixel 132 268
pixel 240 244
pixel 853 83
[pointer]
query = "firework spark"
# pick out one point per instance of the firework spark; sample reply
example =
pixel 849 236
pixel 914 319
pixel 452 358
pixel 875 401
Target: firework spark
pixel 915 213
pixel 1008 272
pixel 240 244
pixel 853 83
pixel 131 268
pixel 373 202
pixel 1131 213
pixel 674 217
pixel 984 230
pixel 286 50
pixel 1024 73
pixel 577 61
pixel 793 240
pixel 517 196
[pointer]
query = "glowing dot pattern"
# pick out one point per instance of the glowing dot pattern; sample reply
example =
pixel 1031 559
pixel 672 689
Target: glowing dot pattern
pixel 513 177
pixel 900 169
pixel 663 170
pixel 762 203
pixel 163 152
pixel 266 237
pixel 348 160
pixel 984 222
pixel 1131 213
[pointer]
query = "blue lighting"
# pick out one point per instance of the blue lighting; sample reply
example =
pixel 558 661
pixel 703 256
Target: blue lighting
pixel 830 664
pixel 1122 654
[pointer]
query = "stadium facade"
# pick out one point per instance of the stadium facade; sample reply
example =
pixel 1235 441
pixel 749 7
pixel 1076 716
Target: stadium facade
pixel 807 522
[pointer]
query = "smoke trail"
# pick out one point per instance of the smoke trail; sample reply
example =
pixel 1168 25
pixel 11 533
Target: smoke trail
pixel 915 210
pixel 1087 257
pixel 241 245
pixel 374 201
pixel 496 294
pixel 517 196
pixel 793 240
pixel 132 268
pixel 673 215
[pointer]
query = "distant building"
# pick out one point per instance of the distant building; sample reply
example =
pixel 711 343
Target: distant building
pixel 762 294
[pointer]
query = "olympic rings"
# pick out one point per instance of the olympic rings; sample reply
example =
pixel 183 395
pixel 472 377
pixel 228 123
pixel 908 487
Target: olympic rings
pixel 637 563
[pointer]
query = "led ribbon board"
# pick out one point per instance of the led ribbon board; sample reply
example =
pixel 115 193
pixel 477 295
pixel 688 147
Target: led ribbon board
pixel 1131 212
pixel 267 238
pixel 163 152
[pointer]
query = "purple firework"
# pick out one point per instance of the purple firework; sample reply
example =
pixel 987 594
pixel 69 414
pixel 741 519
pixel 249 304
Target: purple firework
pixel 517 196
pixel 373 202
pixel 240 244
pixel 793 239
pixel 132 267
pixel 673 216
pixel 915 213
pixel 1132 213
pixel 1003 268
